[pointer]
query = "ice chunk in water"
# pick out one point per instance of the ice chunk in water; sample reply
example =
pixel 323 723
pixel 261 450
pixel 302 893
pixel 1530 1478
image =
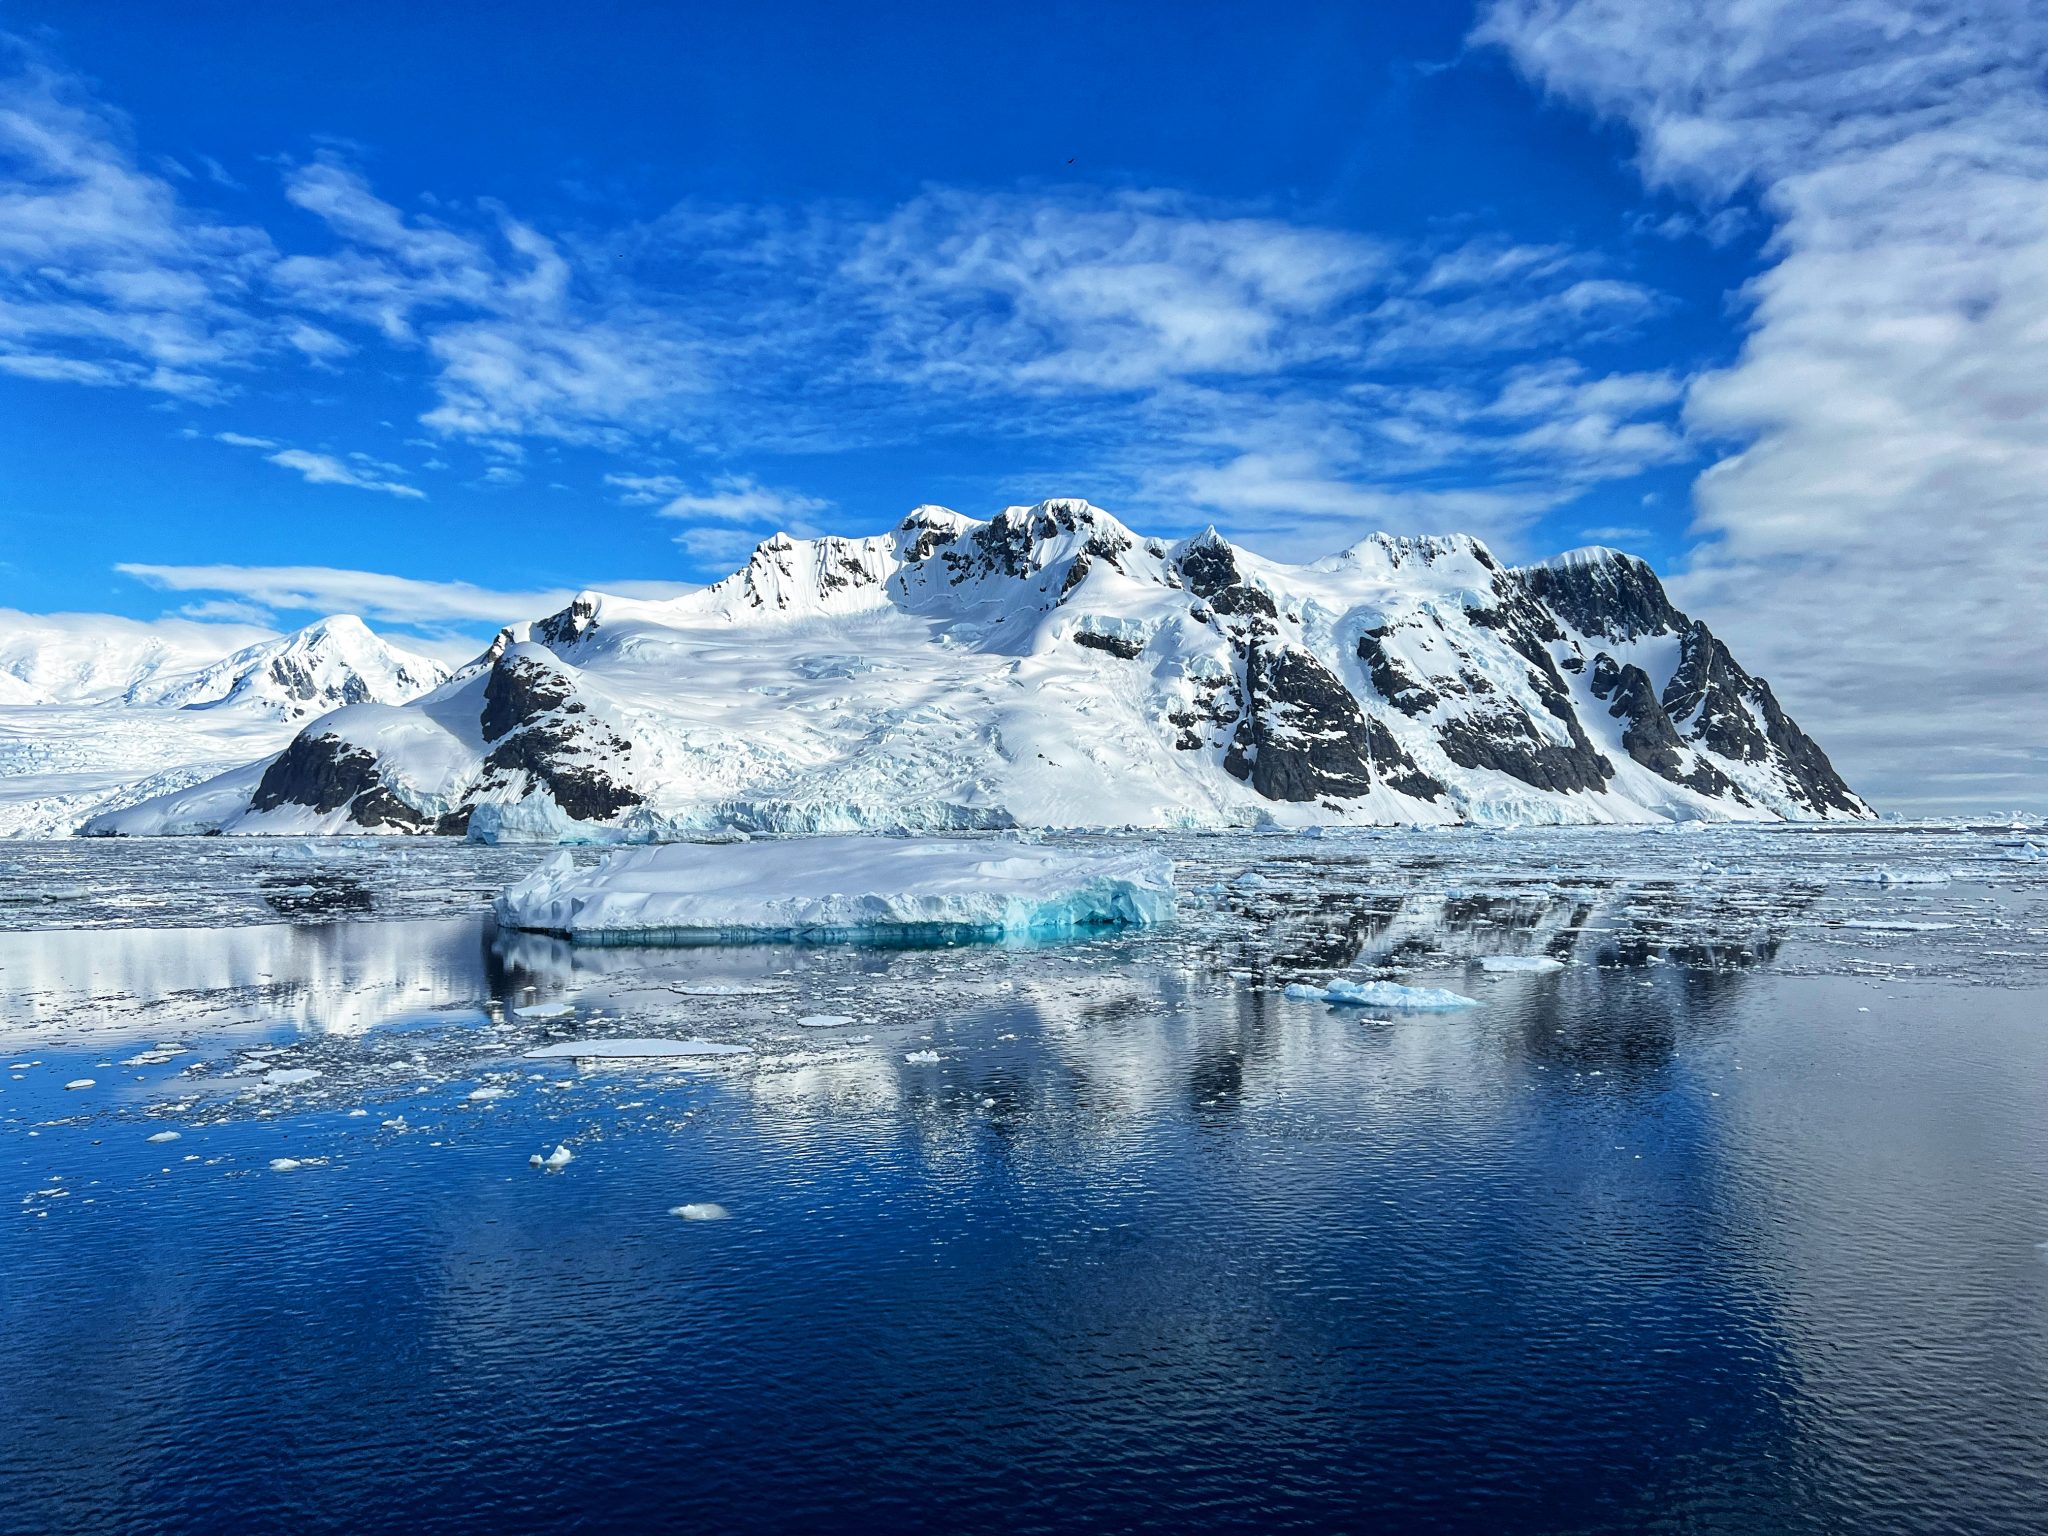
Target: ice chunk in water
pixel 1519 963
pixel 842 889
pixel 1888 876
pixel 825 1021
pixel 1381 994
pixel 637 1049
pixel 165 1136
pixel 554 1162
pixel 78 1082
pixel 700 1210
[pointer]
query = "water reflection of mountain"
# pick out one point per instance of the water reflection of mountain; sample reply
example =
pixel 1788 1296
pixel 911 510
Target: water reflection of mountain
pixel 331 978
pixel 1288 932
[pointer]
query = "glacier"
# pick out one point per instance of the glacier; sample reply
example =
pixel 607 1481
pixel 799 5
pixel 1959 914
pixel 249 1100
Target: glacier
pixel 841 889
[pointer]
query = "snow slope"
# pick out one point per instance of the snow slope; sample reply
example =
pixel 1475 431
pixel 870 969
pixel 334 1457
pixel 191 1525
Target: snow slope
pixel 1048 667
pixel 98 713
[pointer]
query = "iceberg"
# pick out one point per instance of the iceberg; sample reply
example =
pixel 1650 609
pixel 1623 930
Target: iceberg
pixel 1380 994
pixel 841 890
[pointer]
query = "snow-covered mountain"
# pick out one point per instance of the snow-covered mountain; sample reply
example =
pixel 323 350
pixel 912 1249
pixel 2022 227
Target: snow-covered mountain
pixel 88 658
pixel 98 712
pixel 1049 667
pixel 319 668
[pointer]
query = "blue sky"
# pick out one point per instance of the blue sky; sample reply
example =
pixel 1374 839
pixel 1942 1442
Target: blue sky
pixel 433 313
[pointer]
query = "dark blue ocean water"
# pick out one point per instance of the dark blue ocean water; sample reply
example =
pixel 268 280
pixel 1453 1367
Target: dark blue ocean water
pixel 1729 1225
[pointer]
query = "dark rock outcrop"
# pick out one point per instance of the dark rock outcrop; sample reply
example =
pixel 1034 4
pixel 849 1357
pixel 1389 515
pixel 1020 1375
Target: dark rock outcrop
pixel 1302 736
pixel 1615 598
pixel 325 773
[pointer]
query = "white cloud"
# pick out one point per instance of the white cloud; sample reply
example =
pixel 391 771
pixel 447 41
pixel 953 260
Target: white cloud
pixel 1872 539
pixel 1125 292
pixel 106 277
pixel 363 474
pixel 369 594
pixel 522 343
pixel 718 546
pixel 226 610
pixel 742 499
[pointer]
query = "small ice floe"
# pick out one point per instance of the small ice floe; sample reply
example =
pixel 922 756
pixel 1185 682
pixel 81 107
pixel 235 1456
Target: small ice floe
pixel 155 1056
pixel 842 890
pixel 554 1162
pixel 636 1049
pixel 166 1136
pixel 284 1164
pixel 700 1210
pixel 825 1021
pixel 556 1010
pixel 1888 876
pixel 1519 963
pixel 486 1095
pixel 1899 925
pixel 1380 994
pixel 289 1077
pixel 921 1058
pixel 77 1083
pixel 397 1124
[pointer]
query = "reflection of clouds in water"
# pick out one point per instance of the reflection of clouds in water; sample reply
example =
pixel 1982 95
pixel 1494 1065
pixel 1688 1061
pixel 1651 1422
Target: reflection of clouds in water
pixel 1893 1218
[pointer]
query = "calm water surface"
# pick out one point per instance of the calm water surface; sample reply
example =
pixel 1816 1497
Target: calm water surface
pixel 1732 1223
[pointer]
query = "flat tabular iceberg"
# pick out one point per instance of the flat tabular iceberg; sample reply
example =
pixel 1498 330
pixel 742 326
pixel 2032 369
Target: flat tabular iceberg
pixel 841 889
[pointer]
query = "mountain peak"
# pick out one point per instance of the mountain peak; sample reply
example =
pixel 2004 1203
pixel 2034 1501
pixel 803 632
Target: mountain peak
pixel 331 662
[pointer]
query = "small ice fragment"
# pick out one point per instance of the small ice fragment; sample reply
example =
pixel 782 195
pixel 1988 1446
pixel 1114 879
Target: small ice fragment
pixel 1887 876
pixel 825 1021
pixel 485 1095
pixel 284 1164
pixel 289 1077
pixel 1380 994
pixel 77 1083
pixel 700 1210
pixel 921 1058
pixel 396 1125
pixel 1519 963
pixel 166 1136
pixel 545 1011
pixel 358 1114
pixel 637 1049
pixel 561 1157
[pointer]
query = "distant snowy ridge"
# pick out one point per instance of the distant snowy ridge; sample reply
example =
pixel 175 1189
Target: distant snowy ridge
pixel 98 713
pixel 1049 667
pixel 322 667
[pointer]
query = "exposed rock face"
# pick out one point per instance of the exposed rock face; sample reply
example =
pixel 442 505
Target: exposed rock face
pixel 1606 594
pixel 521 688
pixel 326 773
pixel 1718 705
pixel 539 729
pixel 1303 736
